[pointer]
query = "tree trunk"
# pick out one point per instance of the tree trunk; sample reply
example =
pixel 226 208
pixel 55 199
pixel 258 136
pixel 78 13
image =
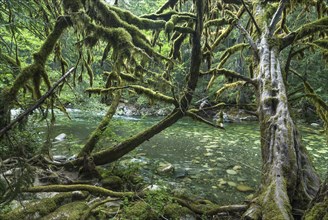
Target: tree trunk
pixel 319 205
pixel 289 180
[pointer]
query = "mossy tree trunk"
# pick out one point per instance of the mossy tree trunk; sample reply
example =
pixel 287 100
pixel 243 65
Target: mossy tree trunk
pixel 319 205
pixel 289 180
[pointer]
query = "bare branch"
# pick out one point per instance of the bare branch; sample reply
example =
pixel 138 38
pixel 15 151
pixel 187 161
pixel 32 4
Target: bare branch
pixel 36 105
pixel 192 113
pixel 277 16
pixel 252 17
pixel 249 39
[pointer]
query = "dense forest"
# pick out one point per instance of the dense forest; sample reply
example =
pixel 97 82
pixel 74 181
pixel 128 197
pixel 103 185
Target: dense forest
pixel 204 60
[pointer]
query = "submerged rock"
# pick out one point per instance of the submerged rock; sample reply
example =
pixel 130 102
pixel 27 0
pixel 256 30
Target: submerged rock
pixel 59 158
pixel 60 137
pixel 315 125
pixel 165 168
pixel 231 172
pixel 244 188
pixel 180 173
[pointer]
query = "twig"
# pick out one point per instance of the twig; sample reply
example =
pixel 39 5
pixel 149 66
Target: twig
pixel 276 16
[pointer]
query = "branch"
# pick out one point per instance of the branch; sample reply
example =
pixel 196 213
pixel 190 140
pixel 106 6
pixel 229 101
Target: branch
pixel 249 39
pixel 36 105
pixel 276 16
pixel 227 31
pixel 166 5
pixel 230 73
pixel 193 114
pixel 304 31
pixel 216 22
pixel 68 188
pixel 140 89
pixel 252 17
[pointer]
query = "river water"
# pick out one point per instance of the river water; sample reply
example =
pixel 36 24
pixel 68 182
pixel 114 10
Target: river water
pixel 210 163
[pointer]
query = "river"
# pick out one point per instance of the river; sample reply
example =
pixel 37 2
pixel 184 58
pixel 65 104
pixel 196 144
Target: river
pixel 210 163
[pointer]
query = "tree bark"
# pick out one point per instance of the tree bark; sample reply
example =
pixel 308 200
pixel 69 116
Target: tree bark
pixel 319 205
pixel 289 180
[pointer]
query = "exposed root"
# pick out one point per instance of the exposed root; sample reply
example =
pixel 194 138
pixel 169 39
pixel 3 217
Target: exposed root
pixel 95 190
pixel 207 208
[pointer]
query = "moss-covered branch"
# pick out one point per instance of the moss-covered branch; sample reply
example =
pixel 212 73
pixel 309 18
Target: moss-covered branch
pixel 36 105
pixel 227 73
pixel 139 89
pixel 41 56
pixel 142 23
pixel 305 30
pixel 119 150
pixel 96 134
pixel 166 5
pixel 227 31
pixel 11 62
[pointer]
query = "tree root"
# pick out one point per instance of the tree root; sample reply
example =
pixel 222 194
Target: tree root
pixel 210 208
pixel 95 190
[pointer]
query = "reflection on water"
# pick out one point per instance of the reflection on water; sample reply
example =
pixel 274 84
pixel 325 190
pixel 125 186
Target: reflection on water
pixel 208 162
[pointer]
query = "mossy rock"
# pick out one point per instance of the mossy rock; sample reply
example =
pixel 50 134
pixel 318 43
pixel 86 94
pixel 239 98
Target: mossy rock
pixel 36 210
pixel 70 211
pixel 140 210
pixel 112 182
pixel 176 211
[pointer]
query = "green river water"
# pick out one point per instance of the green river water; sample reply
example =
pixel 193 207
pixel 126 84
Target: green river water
pixel 210 163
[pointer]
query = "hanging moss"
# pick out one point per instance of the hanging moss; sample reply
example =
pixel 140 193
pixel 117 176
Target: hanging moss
pixel 142 23
pixel 229 86
pixel 100 11
pixel 72 5
pixel 169 26
pixel 216 22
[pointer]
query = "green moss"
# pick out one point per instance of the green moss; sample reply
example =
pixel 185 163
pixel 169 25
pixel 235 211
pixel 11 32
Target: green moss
pixel 140 210
pixel 141 23
pixel 72 5
pixel 70 211
pixel 112 182
pixel 319 211
pixel 37 209
pixel 169 26
pixel 176 211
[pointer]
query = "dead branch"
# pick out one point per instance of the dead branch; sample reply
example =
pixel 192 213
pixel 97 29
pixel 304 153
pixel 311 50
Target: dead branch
pixel 36 105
